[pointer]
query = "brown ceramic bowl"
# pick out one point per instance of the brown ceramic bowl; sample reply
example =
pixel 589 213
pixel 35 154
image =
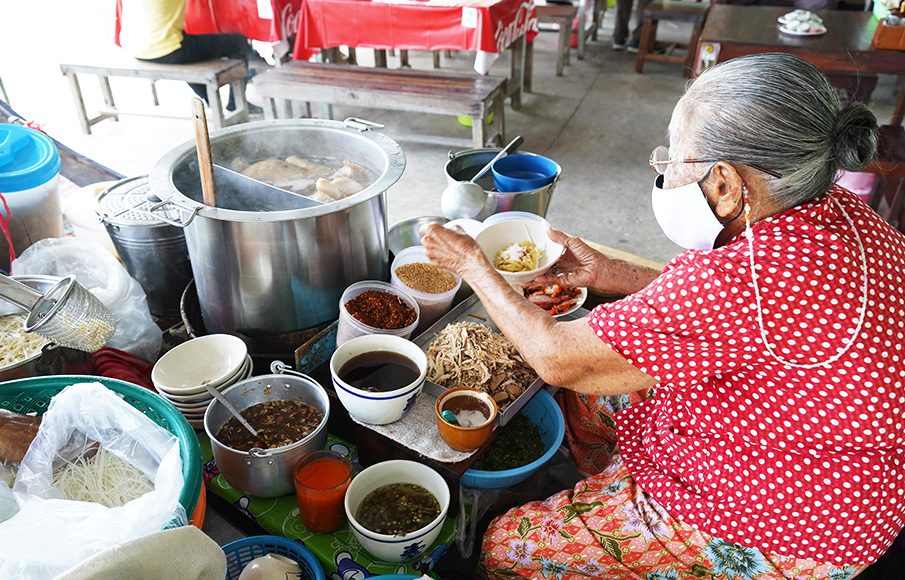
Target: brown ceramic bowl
pixel 475 411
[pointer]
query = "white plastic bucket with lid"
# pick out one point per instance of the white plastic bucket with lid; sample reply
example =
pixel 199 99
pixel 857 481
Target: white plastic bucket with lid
pixel 29 181
pixel 432 306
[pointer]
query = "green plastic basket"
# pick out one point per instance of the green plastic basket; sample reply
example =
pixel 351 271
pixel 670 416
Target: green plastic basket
pixel 34 394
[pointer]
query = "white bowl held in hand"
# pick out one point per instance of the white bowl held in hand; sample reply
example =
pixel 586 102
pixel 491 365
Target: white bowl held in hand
pixel 498 236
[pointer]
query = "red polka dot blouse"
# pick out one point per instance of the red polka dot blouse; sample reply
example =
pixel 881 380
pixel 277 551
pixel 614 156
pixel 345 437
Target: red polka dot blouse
pixel 804 459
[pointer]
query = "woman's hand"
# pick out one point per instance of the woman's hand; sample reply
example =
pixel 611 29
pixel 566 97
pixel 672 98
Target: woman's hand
pixel 579 267
pixel 454 250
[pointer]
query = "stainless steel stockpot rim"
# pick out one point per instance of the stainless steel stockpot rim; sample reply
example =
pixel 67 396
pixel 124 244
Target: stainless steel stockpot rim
pixel 392 156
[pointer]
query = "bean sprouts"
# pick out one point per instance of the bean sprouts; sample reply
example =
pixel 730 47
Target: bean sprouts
pixel 16 345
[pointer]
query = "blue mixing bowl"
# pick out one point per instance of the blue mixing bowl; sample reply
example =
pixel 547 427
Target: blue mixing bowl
pixel 523 172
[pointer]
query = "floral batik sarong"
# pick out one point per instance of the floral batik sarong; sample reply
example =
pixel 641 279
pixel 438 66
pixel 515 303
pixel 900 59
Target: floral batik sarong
pixel 608 527
pixel 591 426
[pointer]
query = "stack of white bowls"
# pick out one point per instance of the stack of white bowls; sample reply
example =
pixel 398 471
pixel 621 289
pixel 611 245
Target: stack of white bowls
pixel 180 375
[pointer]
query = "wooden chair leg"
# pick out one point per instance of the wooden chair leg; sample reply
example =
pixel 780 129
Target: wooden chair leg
pixel 79 102
pixel 154 94
pixel 216 118
pixel 692 49
pixel 648 30
pixel 108 95
pixel 565 46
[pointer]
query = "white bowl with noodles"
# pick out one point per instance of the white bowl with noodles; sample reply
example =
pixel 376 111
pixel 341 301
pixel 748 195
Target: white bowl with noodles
pixel 498 236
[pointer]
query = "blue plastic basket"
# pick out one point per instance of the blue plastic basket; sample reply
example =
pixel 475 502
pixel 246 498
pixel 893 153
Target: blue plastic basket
pixel 241 552
pixel 546 415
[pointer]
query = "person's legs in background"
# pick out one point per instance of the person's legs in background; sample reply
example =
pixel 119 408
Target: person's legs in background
pixel 620 28
pixel 201 47
pixel 639 25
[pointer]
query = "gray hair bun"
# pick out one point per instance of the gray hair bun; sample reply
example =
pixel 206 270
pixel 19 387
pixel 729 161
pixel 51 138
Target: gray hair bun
pixel 854 138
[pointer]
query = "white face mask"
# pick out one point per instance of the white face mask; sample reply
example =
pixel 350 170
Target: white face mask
pixel 684 214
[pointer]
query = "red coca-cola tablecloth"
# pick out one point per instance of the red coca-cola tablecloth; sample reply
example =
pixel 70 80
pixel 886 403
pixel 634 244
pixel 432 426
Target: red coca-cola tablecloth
pixel 483 26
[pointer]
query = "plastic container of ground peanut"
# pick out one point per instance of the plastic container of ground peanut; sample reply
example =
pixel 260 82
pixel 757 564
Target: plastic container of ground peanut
pixel 348 327
pixel 433 305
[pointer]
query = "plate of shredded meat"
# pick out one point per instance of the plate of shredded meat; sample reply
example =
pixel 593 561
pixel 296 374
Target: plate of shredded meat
pixel 465 349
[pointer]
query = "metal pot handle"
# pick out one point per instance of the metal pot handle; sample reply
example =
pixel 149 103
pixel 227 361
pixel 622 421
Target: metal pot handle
pixel 259 458
pixel 278 367
pixel 361 125
pixel 192 209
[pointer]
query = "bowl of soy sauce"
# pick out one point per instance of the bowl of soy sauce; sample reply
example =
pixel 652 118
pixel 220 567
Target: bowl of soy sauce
pixel 377 377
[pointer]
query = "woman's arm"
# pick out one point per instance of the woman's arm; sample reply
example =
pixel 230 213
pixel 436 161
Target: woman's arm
pixel 565 354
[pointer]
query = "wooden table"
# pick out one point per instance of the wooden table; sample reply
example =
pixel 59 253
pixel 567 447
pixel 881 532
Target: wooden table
pixel 487 27
pixel 732 31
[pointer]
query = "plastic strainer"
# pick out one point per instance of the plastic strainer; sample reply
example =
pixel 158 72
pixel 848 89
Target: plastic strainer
pixel 67 314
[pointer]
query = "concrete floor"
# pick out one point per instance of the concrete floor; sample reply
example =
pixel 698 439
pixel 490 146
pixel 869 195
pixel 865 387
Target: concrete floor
pixel 599 122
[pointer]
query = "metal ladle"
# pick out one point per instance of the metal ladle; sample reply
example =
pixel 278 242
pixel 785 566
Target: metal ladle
pixel 229 407
pixel 465 199
pixel 67 314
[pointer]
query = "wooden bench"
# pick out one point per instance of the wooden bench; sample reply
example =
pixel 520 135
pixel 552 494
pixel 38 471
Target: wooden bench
pixel 419 91
pixel 563 16
pixel 213 73
pixel 692 12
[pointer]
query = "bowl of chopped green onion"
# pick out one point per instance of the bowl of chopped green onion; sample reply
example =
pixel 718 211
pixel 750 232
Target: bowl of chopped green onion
pixel 529 441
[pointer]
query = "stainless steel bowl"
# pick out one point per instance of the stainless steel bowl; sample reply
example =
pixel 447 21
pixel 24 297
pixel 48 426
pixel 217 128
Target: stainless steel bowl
pixel 405 234
pixel 50 360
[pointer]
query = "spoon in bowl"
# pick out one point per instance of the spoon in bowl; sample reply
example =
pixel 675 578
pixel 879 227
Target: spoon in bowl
pixel 465 199
pixel 229 407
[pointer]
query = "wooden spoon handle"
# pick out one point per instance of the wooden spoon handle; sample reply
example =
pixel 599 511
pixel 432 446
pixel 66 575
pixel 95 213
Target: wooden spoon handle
pixel 203 145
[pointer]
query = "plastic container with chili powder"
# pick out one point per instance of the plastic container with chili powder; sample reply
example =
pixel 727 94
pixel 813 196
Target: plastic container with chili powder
pixel 374 307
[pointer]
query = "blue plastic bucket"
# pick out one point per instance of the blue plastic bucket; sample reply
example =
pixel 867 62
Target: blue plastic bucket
pixel 523 172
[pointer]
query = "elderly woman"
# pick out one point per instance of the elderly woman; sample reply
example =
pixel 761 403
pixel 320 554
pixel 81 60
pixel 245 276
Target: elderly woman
pixel 772 446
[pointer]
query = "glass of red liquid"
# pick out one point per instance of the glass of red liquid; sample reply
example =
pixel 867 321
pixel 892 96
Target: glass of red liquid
pixel 321 480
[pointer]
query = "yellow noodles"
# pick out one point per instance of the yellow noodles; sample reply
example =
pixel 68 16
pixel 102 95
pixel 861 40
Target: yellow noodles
pixel 517 258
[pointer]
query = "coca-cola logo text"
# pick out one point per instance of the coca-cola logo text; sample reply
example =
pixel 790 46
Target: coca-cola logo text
pixel 524 21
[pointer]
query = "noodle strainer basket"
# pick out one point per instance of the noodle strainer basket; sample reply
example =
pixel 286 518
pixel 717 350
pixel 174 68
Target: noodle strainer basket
pixel 67 314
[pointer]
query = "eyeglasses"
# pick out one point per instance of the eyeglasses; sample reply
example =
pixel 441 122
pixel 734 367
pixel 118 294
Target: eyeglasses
pixel 659 160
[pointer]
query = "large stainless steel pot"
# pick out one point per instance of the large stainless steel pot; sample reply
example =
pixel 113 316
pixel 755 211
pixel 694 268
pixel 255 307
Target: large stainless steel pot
pixel 266 472
pixel 464 165
pixel 274 272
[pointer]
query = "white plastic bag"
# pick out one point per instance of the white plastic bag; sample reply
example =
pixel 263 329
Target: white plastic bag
pixel 49 534
pixel 98 271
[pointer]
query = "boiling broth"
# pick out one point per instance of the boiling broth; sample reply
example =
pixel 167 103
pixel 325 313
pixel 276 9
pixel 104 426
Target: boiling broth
pixel 379 371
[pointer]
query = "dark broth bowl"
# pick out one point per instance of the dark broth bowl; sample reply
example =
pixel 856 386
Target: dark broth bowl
pixel 413 544
pixel 377 407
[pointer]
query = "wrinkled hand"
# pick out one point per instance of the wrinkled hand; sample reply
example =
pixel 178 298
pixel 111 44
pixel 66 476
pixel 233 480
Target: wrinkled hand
pixel 454 250
pixel 579 267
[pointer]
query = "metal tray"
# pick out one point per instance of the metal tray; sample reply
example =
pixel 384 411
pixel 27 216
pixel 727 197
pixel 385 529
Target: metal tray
pixel 471 310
